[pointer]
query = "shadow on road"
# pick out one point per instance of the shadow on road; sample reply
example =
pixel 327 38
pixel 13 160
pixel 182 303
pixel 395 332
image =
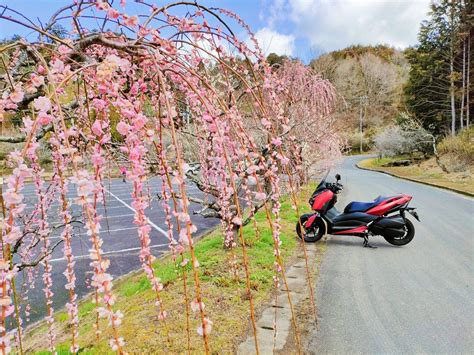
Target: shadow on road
pixel 357 242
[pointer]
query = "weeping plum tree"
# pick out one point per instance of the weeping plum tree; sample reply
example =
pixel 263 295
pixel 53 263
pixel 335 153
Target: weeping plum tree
pixel 303 121
pixel 133 92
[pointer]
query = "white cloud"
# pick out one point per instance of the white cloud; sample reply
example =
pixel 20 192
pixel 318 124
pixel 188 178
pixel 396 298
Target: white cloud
pixel 274 12
pixel 335 24
pixel 271 41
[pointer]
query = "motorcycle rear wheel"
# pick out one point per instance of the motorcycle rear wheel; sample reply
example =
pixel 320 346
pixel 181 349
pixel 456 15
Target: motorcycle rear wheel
pixel 408 236
pixel 313 235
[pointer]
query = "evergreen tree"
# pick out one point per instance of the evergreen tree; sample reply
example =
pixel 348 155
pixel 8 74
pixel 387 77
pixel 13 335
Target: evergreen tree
pixel 433 91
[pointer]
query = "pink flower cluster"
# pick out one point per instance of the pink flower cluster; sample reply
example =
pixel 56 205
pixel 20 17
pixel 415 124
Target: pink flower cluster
pixel 6 304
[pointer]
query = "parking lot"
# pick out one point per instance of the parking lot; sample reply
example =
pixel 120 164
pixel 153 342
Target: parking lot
pixel 121 243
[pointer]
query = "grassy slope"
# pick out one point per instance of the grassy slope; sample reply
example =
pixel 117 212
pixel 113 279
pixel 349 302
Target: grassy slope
pixel 427 172
pixel 224 297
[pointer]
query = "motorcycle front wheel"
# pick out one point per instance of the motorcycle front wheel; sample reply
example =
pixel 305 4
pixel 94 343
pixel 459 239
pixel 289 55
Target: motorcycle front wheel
pixel 406 238
pixel 310 236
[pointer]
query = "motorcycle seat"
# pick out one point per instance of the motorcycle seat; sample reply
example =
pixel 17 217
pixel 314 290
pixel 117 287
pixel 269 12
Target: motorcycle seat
pixel 357 206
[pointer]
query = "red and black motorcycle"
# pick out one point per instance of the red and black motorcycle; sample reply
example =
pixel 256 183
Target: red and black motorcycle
pixel 384 216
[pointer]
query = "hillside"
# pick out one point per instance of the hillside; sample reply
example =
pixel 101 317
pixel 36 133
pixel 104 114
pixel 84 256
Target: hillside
pixel 369 80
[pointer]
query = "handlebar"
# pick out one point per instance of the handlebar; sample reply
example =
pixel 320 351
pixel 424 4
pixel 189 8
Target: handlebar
pixel 334 187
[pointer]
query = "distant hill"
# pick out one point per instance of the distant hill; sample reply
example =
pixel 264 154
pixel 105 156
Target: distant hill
pixel 356 51
pixel 368 79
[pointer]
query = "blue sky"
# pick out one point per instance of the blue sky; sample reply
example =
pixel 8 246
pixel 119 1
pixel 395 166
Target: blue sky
pixel 300 28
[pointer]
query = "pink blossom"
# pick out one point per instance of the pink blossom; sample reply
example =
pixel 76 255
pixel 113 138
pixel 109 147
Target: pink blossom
pixel 130 21
pixel 266 123
pixel 212 128
pixel 206 329
pixel 97 128
pixel 37 80
pixel 139 122
pixel 5 301
pixel 122 128
pixel 13 235
pixel 184 262
pixel 184 217
pixel 183 237
pixel 113 14
pixel 208 118
pixel 98 159
pixel 196 306
pixel 162 315
pixel 252 169
pixel 42 103
pixel 63 49
pixel 102 5
pixel 57 66
pixel 144 31
pixel 276 141
pixel 44 119
pixel 99 104
pixel 17 95
pixel 84 187
pixel 41 70
pixel 115 344
pixel 237 221
pixel 260 196
pixel 12 198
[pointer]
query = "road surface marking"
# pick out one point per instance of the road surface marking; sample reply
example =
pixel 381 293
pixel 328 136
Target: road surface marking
pixel 119 215
pixel 100 232
pixel 131 208
pixel 110 252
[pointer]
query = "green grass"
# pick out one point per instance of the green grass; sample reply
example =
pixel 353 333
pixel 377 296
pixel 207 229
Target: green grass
pixel 224 295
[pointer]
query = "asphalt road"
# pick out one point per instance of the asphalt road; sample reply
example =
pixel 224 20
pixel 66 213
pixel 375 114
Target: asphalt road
pixel 413 299
pixel 121 243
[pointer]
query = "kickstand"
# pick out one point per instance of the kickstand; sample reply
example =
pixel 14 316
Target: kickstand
pixel 366 242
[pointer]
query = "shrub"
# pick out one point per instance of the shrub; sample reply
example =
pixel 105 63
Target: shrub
pixel 391 141
pixel 405 138
pixel 461 146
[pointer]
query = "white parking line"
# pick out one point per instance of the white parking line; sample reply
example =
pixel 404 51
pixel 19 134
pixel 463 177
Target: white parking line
pixel 99 203
pixel 131 208
pixel 100 232
pixel 110 252
pixel 98 208
pixel 119 215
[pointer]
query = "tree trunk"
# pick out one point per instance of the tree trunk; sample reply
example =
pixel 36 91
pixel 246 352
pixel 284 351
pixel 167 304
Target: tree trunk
pixel 468 91
pixel 451 76
pixel 453 104
pixel 461 116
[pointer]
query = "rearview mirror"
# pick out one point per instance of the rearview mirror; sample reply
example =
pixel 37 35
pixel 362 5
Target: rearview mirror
pixel 338 177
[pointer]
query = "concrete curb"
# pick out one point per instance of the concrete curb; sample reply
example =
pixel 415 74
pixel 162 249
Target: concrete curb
pixel 415 180
pixel 299 291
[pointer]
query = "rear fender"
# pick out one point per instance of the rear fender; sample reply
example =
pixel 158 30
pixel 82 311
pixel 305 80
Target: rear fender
pixel 410 210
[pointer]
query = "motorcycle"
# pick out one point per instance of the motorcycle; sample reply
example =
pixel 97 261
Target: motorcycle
pixel 385 216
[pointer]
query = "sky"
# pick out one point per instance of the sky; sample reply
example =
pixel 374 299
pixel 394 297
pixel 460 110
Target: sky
pixel 298 28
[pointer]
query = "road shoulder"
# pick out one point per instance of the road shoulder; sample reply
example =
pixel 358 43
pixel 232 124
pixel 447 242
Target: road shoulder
pixel 365 165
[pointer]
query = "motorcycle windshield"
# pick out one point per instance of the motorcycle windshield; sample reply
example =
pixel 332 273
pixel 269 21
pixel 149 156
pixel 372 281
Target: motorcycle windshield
pixel 323 181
